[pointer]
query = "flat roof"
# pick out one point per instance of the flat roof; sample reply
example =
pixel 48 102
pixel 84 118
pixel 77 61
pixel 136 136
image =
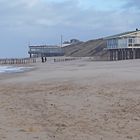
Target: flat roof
pixel 122 34
pixel 44 46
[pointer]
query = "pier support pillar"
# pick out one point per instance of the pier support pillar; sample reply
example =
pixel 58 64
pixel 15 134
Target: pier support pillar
pixel 111 55
pixel 30 55
pixel 134 54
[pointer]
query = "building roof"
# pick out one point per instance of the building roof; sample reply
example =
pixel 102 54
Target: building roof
pixel 44 46
pixel 122 34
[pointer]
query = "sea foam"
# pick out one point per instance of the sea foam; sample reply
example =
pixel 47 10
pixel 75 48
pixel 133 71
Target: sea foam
pixel 13 69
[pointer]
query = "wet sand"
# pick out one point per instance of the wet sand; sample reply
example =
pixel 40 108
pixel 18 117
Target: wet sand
pixel 75 100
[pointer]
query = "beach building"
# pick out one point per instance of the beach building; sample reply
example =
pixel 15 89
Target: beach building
pixel 71 42
pixel 45 51
pixel 124 46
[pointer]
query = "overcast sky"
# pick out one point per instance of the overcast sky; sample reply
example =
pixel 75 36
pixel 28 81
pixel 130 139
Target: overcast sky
pixel 24 22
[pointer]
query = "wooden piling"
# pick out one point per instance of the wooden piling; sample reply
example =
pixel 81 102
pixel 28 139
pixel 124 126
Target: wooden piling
pixel 17 61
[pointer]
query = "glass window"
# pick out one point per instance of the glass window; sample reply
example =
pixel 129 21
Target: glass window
pixel 130 40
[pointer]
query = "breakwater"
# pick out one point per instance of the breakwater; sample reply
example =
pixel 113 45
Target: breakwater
pixel 66 59
pixel 17 61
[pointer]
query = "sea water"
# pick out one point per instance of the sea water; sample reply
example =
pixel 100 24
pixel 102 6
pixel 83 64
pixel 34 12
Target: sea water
pixel 13 69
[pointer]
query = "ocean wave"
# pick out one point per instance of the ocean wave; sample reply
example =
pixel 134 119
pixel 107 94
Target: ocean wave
pixel 13 69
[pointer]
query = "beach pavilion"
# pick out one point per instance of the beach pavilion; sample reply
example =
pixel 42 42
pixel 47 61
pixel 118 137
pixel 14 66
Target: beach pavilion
pixel 124 45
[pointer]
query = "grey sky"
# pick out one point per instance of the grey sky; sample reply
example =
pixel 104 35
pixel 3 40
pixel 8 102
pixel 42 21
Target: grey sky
pixel 43 21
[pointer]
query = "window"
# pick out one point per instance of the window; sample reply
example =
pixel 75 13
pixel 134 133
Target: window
pixel 130 40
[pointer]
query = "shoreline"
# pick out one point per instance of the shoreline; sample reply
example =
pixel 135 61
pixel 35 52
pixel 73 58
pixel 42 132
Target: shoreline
pixel 26 68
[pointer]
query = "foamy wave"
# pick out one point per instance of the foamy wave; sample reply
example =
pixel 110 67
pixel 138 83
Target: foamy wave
pixel 12 69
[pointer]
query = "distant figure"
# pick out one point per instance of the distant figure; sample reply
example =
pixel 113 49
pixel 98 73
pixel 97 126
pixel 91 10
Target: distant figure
pixel 42 58
pixel 45 59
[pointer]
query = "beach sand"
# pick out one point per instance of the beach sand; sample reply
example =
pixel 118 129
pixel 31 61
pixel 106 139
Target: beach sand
pixel 74 100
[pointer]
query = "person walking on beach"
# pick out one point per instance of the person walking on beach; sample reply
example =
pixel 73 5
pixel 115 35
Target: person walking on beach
pixel 45 59
pixel 42 59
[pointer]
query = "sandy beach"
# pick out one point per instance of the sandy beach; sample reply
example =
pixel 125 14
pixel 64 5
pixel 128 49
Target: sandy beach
pixel 73 100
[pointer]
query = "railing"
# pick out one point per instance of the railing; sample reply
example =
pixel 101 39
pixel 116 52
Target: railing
pixel 18 61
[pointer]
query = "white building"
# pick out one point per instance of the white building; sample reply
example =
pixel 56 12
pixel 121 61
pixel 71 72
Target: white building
pixel 124 40
pixel 45 51
pixel 124 46
pixel 71 42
